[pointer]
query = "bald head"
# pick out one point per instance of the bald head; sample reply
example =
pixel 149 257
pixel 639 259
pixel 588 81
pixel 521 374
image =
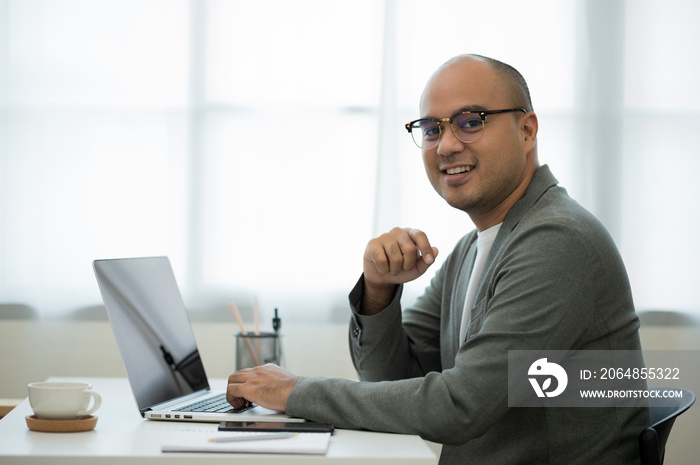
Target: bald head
pixel 509 81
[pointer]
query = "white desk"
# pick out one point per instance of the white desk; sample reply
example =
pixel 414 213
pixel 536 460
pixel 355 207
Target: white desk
pixel 122 436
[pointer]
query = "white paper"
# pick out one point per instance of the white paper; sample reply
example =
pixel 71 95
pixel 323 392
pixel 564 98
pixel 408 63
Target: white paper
pixel 198 441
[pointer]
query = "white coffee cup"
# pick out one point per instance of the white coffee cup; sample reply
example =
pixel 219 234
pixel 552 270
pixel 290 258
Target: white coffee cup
pixel 62 400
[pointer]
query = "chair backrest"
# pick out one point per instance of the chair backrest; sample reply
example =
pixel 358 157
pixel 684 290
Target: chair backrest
pixel 652 441
pixel 12 311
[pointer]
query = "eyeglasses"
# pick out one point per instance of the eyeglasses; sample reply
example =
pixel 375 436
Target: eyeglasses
pixel 468 127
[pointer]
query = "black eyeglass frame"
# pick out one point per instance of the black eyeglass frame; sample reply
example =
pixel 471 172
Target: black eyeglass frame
pixel 440 121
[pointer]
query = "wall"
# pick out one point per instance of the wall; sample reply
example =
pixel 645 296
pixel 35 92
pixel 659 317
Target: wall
pixel 33 350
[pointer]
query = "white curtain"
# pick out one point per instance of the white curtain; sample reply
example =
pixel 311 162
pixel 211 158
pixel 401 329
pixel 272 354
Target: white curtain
pixel 261 145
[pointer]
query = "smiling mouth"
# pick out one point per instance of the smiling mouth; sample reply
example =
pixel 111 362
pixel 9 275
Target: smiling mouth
pixel 459 169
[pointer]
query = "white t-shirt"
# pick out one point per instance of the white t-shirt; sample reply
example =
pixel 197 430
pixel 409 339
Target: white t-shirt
pixel 484 241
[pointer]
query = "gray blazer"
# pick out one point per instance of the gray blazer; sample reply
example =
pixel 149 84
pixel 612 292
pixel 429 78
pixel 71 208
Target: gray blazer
pixel 554 280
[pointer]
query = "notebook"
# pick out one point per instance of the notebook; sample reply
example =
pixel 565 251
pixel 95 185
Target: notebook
pixel 158 347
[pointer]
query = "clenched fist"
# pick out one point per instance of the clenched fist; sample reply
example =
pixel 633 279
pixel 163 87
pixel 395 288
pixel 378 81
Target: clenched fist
pixel 396 257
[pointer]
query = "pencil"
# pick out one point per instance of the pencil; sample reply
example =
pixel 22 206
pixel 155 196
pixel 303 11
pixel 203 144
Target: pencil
pixel 256 359
pixel 256 318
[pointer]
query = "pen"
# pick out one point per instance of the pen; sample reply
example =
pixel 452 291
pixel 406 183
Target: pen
pixel 251 437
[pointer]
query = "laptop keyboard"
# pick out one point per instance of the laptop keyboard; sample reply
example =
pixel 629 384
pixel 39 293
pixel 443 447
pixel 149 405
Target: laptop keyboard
pixel 216 404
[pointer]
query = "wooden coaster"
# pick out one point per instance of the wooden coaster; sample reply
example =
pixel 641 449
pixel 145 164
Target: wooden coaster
pixel 85 423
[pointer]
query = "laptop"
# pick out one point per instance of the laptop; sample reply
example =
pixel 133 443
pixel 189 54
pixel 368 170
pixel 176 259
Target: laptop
pixel 158 347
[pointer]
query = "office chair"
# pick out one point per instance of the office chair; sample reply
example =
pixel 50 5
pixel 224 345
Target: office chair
pixel 652 441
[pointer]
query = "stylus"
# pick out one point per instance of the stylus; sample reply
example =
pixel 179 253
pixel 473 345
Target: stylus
pixel 253 437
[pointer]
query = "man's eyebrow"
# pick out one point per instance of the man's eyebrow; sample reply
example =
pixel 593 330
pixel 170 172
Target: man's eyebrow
pixel 472 108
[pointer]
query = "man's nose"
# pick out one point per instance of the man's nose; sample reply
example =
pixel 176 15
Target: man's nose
pixel 449 143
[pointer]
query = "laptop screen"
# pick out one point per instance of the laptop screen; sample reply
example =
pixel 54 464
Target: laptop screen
pixel 151 327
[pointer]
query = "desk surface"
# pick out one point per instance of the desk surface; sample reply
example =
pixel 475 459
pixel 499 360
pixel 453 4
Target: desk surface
pixel 122 436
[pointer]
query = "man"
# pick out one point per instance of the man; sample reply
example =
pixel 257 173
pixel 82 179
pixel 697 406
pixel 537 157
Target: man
pixel 540 273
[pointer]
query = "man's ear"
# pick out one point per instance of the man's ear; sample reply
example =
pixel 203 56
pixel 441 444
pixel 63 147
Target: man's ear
pixel 528 127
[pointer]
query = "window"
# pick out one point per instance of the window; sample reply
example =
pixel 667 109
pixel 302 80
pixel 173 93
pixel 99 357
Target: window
pixel 262 147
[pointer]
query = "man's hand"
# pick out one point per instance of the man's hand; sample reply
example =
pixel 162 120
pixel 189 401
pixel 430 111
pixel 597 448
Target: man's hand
pixel 397 257
pixel 267 385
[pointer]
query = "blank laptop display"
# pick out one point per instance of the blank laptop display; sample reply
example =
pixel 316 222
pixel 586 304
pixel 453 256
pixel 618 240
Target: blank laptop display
pixel 158 347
